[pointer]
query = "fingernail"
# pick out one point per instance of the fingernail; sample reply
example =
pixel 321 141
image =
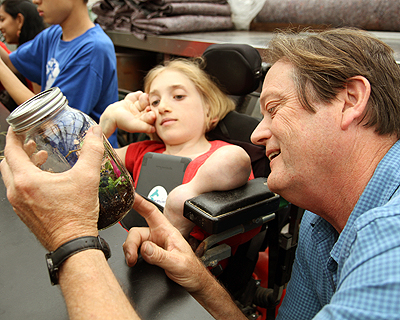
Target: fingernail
pixel 149 249
pixel 97 131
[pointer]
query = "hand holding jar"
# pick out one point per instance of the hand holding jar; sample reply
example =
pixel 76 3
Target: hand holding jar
pixel 57 207
pixel 47 121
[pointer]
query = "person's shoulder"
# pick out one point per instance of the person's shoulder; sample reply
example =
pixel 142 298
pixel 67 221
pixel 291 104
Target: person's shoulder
pixel 98 36
pixel 51 31
pixel 95 42
pixel 50 34
pixel 219 143
pixel 377 226
pixel 3 45
pixel 137 150
pixel 146 146
pixel 387 213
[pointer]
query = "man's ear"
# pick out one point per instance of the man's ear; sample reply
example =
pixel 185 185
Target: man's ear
pixel 356 97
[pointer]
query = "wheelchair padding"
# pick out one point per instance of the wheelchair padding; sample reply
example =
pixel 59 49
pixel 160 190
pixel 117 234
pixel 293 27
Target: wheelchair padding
pixel 217 211
pixel 236 67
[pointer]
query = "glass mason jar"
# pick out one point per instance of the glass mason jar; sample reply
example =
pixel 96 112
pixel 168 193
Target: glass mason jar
pixel 60 130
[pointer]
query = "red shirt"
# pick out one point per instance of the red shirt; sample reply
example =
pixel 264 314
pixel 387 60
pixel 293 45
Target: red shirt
pixel 136 151
pixel 2 44
pixel 133 162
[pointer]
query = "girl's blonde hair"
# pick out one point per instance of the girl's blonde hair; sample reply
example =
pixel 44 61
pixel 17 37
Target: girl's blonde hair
pixel 217 103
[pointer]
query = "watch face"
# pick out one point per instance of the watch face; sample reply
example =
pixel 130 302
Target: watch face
pixel 49 262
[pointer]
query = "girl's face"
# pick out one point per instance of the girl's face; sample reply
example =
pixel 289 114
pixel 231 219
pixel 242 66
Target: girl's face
pixel 10 27
pixel 180 112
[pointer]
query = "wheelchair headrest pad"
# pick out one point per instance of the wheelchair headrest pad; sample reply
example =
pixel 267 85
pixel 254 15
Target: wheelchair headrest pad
pixel 236 67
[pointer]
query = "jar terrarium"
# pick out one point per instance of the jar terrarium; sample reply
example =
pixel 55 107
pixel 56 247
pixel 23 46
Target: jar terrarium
pixel 59 130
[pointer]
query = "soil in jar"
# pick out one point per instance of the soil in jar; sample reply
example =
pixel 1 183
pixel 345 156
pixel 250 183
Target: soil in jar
pixel 116 198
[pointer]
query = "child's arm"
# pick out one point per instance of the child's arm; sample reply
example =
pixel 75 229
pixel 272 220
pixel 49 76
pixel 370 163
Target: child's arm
pixel 132 114
pixel 6 58
pixel 17 90
pixel 227 168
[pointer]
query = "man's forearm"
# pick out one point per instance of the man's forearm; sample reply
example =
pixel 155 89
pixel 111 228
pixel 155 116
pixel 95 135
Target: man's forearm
pixel 216 300
pixel 91 290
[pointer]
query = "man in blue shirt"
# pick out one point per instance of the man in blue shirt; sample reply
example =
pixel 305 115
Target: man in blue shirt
pixel 331 125
pixel 331 107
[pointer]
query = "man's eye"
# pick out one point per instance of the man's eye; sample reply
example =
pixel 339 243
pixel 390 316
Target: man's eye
pixel 271 110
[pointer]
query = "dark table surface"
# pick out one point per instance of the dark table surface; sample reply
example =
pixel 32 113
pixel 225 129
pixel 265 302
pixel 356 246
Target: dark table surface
pixel 25 290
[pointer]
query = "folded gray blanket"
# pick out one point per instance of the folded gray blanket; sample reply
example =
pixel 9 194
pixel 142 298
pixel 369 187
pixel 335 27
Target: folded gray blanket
pixel 111 14
pixel 181 24
pixel 162 2
pixel 366 14
pixel 193 8
pixel 150 17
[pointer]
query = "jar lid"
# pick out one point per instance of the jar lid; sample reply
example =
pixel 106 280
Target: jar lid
pixel 37 109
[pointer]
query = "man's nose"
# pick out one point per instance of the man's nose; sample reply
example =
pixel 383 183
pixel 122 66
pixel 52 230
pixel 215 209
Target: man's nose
pixel 261 133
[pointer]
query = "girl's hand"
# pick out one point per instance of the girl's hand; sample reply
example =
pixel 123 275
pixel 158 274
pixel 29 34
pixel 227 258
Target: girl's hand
pixel 133 114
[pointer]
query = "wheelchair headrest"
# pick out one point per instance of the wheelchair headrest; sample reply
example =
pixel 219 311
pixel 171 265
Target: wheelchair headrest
pixel 236 67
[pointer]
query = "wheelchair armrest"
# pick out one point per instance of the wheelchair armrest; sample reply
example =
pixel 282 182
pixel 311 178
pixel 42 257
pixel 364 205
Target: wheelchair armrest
pixel 219 211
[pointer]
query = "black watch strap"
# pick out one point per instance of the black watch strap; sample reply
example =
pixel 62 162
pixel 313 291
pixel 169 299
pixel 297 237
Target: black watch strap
pixel 57 257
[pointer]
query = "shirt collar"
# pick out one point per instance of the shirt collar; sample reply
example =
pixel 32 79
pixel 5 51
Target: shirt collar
pixel 379 190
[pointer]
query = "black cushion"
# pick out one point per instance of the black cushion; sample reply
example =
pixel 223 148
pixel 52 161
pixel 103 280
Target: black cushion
pixel 236 67
pixel 218 211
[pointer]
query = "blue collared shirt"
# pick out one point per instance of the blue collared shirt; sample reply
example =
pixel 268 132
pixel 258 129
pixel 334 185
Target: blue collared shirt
pixel 354 274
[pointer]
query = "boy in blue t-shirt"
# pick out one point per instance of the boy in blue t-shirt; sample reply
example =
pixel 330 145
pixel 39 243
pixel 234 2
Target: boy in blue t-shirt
pixel 73 54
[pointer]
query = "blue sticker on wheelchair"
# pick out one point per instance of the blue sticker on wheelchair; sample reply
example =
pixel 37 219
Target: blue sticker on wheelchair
pixel 159 195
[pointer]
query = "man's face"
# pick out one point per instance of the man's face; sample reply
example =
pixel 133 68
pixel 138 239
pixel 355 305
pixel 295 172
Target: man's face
pixel 301 145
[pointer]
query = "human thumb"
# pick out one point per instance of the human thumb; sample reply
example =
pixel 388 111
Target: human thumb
pixel 154 254
pixel 147 249
pixel 92 152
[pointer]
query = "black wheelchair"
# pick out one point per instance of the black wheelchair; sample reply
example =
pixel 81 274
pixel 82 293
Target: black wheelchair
pixel 239 70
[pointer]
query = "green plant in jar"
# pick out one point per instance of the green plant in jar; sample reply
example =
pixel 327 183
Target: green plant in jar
pixel 115 191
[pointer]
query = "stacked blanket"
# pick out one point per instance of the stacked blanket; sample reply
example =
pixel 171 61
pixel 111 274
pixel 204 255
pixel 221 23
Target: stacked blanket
pixel 381 15
pixel 142 17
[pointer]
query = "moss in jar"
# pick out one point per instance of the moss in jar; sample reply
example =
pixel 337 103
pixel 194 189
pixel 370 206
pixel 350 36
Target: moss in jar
pixel 116 195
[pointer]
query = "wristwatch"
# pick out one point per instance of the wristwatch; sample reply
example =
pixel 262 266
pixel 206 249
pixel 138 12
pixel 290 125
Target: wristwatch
pixel 56 258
